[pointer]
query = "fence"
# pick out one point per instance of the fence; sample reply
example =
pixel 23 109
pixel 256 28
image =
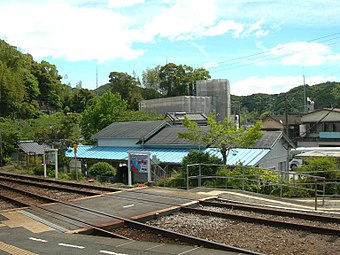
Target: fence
pixel 258 180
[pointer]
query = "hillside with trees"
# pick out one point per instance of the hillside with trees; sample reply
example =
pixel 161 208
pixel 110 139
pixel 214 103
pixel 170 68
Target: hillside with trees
pixel 253 107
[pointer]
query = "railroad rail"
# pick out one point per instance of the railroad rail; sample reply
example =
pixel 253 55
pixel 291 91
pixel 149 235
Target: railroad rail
pixel 142 226
pixel 197 207
pixel 61 182
pixel 50 186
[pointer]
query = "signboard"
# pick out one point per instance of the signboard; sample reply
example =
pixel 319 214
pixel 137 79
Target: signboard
pixel 138 162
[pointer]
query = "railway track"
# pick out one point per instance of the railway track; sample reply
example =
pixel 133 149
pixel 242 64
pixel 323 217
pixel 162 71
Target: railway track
pixel 210 219
pixel 141 228
pixel 259 215
pixel 96 189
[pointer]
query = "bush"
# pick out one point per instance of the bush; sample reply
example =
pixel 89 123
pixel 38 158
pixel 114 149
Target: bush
pixel 198 157
pixel 177 180
pixel 102 169
pixel 320 167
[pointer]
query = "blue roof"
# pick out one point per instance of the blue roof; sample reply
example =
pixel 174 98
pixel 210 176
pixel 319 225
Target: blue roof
pixel 165 155
pixel 248 157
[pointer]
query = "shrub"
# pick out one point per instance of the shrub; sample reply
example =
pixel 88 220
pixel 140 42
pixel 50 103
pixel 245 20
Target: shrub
pixel 319 167
pixel 198 157
pixel 102 169
pixel 255 179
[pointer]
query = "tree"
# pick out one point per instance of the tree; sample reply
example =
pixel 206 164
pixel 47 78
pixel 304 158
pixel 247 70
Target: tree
pixel 103 111
pixel 127 86
pixel 58 130
pixel 80 99
pixel 222 135
pixel 150 78
pixel 10 134
pixel 192 76
pixel 199 157
pixel 49 83
pixel 171 76
pixel 179 80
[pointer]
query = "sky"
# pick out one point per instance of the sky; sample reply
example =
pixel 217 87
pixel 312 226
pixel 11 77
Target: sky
pixel 261 46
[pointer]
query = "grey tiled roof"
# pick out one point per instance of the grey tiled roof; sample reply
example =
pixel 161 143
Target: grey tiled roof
pixel 31 147
pixel 268 139
pixel 169 136
pixel 178 117
pixel 132 129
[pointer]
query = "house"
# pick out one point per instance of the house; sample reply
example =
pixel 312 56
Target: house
pixel 278 122
pixel 279 145
pixel 160 139
pixel 31 151
pixel 320 128
pixel 128 134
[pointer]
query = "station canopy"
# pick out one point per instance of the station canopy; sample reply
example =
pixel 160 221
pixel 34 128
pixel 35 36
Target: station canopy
pixel 248 157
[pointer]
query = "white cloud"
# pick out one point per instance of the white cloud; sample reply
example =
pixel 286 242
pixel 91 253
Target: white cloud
pixel 184 20
pixel 272 84
pixel 224 26
pixel 255 28
pixel 304 53
pixel 60 30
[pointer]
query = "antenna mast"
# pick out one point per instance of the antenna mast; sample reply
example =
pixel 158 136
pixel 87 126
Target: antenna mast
pixel 304 95
pixel 96 77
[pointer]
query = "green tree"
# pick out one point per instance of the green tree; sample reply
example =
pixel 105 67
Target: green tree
pixel 103 111
pixel 150 78
pixel 58 130
pixel 127 86
pixel 199 157
pixel 81 98
pixel 172 83
pixel 197 75
pixel 177 80
pixel 10 134
pixel 222 135
pixel 49 83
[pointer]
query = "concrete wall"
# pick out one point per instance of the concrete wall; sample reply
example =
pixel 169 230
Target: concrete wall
pixel 219 90
pixel 179 104
pixel 212 96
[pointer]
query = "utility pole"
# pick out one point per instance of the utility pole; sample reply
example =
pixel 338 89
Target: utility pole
pixel 304 95
pixel 1 149
pixel 286 114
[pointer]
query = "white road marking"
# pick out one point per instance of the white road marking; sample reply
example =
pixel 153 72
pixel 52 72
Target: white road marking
pixel 112 252
pixel 38 240
pixel 188 251
pixel 71 245
pixel 127 206
pixel 156 246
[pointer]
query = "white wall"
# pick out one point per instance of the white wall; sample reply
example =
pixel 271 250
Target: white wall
pixel 276 155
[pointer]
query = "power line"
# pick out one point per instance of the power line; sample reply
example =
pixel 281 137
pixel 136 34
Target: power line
pixel 263 56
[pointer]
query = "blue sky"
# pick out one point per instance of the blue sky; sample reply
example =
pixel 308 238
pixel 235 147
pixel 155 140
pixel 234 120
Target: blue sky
pixel 259 46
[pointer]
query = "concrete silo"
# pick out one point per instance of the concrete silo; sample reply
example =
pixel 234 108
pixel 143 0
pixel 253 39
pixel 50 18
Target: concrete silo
pixel 219 91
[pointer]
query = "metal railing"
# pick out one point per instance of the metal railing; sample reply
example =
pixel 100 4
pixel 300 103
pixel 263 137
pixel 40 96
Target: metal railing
pixel 284 181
